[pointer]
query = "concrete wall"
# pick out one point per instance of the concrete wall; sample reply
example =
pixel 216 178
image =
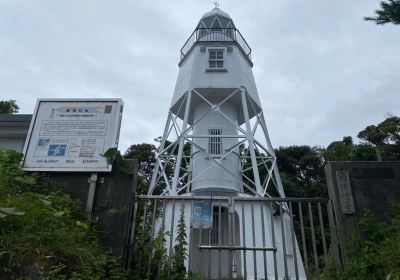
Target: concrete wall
pixel 355 186
pixel 112 204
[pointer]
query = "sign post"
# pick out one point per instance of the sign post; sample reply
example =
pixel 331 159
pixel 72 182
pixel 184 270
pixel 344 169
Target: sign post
pixel 91 193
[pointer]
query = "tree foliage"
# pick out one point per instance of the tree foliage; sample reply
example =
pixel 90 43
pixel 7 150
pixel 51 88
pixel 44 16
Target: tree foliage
pixel 388 13
pixel 385 133
pixel 346 150
pixel 8 107
pixel 150 258
pixel 302 171
pixel 179 254
pixel 379 255
pixel 385 136
pixel 146 156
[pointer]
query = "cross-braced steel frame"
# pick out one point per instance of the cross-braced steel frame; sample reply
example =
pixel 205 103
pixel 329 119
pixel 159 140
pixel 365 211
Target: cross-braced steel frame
pixel 173 168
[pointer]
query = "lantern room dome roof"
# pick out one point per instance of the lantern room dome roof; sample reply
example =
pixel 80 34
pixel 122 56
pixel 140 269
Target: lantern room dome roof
pixel 216 18
pixel 216 11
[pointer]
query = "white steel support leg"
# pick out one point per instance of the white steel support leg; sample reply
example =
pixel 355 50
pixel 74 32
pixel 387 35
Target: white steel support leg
pixel 181 144
pixel 269 145
pixel 250 138
pixel 162 144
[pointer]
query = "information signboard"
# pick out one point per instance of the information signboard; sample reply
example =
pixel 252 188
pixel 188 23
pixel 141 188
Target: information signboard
pixel 72 134
pixel 202 214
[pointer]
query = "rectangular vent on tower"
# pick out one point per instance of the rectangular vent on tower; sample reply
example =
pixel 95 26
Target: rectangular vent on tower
pixel 214 142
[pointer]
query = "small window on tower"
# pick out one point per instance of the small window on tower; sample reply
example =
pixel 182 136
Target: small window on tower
pixel 215 58
pixel 214 142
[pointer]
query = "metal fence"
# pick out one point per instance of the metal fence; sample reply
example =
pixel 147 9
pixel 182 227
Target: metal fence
pixel 216 35
pixel 247 238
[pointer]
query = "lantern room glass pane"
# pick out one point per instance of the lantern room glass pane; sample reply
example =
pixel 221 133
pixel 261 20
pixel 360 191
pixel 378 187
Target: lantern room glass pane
pixel 208 22
pixel 224 22
pixel 216 25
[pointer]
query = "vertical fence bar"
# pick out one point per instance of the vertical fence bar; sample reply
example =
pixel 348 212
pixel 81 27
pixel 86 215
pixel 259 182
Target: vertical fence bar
pixel 244 242
pixel 296 267
pixel 285 264
pixel 273 238
pixel 133 233
pixel 321 224
pixel 209 241
pixel 303 241
pixel 143 228
pixel 263 239
pixel 254 241
pixel 229 240
pixel 219 239
pixel 190 238
pixel 151 213
pixel 162 234
pixel 313 240
pixel 209 253
pixel 152 236
pixel 200 230
pixel 171 237
pixel 232 265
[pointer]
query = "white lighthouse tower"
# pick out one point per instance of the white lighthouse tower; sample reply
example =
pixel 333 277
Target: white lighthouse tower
pixel 216 145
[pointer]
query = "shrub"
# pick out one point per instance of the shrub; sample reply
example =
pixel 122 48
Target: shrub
pixel 43 231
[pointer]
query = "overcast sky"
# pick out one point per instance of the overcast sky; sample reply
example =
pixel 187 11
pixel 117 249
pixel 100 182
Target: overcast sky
pixel 321 71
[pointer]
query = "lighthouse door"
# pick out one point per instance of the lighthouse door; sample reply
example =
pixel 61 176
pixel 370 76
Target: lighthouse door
pixel 212 253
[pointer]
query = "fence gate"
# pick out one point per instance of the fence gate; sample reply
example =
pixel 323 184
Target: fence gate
pixel 222 237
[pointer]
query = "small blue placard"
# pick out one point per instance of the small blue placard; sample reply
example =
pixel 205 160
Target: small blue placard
pixel 202 214
pixel 43 142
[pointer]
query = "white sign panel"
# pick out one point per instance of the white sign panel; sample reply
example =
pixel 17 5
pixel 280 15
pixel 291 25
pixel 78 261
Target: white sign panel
pixel 72 134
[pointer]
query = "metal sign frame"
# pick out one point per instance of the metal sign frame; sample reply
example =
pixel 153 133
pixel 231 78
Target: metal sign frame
pixel 115 136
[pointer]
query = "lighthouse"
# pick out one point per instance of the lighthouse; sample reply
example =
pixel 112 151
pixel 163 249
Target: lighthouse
pixel 216 153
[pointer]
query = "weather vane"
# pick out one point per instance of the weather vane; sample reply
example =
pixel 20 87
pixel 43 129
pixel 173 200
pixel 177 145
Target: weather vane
pixel 216 4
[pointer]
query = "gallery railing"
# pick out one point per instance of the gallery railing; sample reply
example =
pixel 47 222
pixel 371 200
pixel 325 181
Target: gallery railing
pixel 237 244
pixel 216 35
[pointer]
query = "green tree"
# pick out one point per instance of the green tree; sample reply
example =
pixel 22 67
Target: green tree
pixel 339 150
pixel 302 171
pixel 388 13
pixel 145 154
pixel 387 132
pixel 8 107
pixel 385 136
pixel 346 150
